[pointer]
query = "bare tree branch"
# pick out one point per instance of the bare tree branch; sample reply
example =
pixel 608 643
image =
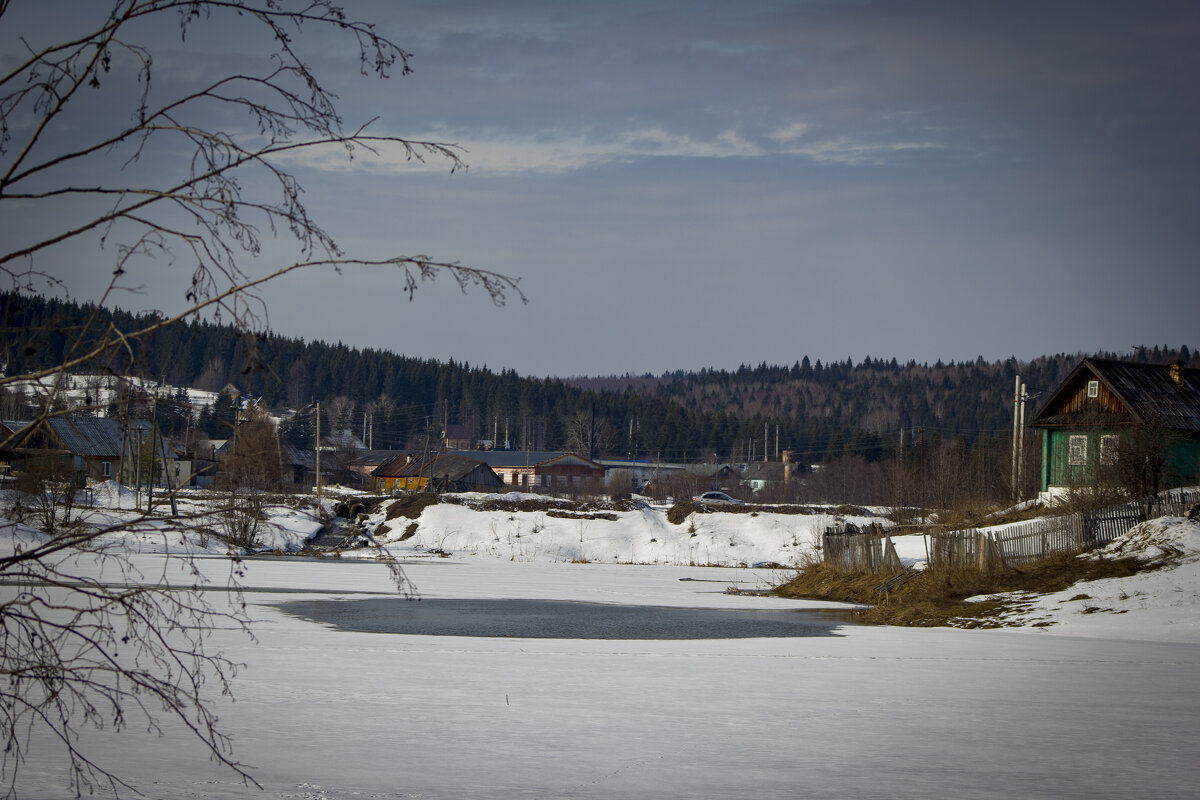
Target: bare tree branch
pixel 86 639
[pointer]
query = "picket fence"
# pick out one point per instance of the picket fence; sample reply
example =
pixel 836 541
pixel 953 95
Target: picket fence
pixel 859 551
pixel 1040 539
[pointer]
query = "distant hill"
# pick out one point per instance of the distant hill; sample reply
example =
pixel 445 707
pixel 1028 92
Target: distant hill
pixel 818 410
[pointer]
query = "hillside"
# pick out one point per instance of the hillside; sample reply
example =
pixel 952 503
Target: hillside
pixel 819 411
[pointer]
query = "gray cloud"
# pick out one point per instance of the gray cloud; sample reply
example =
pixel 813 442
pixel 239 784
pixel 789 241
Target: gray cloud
pixel 703 184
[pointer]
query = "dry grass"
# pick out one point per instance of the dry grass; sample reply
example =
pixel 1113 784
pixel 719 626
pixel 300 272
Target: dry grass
pixel 936 597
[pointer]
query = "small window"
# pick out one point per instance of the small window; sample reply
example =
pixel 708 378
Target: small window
pixel 1093 388
pixel 1108 448
pixel 106 469
pixel 1078 450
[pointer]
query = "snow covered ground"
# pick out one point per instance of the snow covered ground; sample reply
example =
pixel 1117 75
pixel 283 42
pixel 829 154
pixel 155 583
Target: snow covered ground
pixel 1100 705
pixel 632 537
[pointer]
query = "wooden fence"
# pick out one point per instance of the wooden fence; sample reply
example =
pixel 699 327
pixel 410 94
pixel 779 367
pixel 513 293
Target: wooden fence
pixel 1039 539
pixel 858 551
pixel 872 551
pixel 966 549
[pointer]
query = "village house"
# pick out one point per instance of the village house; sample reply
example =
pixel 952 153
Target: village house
pixel 87 447
pixel 93 448
pixel 539 470
pixel 450 472
pixel 1116 421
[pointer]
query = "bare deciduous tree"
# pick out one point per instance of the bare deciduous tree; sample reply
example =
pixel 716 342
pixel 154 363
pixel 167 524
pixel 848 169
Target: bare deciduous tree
pixel 86 640
pixel 588 435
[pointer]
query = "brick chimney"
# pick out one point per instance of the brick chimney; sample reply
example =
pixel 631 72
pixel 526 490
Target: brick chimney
pixel 1175 371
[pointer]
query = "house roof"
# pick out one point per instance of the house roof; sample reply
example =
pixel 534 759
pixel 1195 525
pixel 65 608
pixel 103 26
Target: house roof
pixel 373 458
pixel 98 437
pixel 295 457
pixel 764 471
pixel 510 458
pixel 574 459
pixel 712 470
pixel 1147 391
pixel 451 464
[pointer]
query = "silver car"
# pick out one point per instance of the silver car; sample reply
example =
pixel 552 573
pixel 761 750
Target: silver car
pixel 716 499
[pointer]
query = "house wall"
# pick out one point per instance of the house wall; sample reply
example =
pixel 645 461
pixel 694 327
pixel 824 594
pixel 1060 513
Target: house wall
pixel 517 476
pixel 401 484
pixel 1077 402
pixel 1183 460
pixel 1057 469
pixel 1181 454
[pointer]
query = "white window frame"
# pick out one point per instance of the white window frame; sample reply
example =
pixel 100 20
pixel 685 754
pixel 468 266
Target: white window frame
pixel 106 469
pixel 1093 389
pixel 1077 450
pixel 1109 444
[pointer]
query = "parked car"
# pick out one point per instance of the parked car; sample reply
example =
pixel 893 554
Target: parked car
pixel 716 499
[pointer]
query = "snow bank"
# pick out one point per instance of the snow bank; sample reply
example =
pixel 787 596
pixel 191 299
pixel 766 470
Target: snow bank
pixel 642 536
pixel 1158 538
pixel 1157 605
pixel 111 494
pixel 287 529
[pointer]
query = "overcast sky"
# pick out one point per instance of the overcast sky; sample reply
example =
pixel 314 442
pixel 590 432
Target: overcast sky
pixel 688 184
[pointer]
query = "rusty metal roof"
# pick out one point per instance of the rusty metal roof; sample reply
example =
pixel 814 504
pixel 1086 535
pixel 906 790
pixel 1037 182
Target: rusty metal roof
pixel 1147 391
pixel 440 466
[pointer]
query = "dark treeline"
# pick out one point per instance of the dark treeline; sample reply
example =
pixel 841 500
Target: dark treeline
pixel 821 412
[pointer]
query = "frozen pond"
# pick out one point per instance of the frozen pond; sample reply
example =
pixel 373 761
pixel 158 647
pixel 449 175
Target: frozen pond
pixel 327 712
pixel 557 619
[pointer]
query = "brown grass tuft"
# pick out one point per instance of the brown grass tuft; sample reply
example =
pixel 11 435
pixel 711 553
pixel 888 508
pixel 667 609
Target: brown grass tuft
pixel 936 597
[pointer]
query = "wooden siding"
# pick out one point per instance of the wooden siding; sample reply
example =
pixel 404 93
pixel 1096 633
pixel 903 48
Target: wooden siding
pixel 1076 401
pixel 1181 454
pixel 1057 469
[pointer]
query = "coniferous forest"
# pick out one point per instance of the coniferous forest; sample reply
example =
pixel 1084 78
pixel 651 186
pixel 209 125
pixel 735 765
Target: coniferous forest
pixel 819 411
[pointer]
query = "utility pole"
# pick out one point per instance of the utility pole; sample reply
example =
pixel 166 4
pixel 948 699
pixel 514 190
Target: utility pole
pixel 1016 430
pixel 318 484
pixel 921 434
pixel 1021 442
pixel 153 443
pixel 137 497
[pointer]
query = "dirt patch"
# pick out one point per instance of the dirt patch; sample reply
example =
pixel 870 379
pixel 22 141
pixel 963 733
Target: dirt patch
pixel 410 505
pixel 546 504
pixel 682 509
pixel 585 515
pixel 677 513
pixel 936 597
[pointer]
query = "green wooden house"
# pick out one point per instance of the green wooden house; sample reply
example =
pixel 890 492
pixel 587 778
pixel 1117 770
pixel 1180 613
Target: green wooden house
pixel 1108 414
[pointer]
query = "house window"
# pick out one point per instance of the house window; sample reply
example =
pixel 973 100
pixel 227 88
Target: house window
pixel 1093 388
pixel 1108 448
pixel 106 469
pixel 1078 450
